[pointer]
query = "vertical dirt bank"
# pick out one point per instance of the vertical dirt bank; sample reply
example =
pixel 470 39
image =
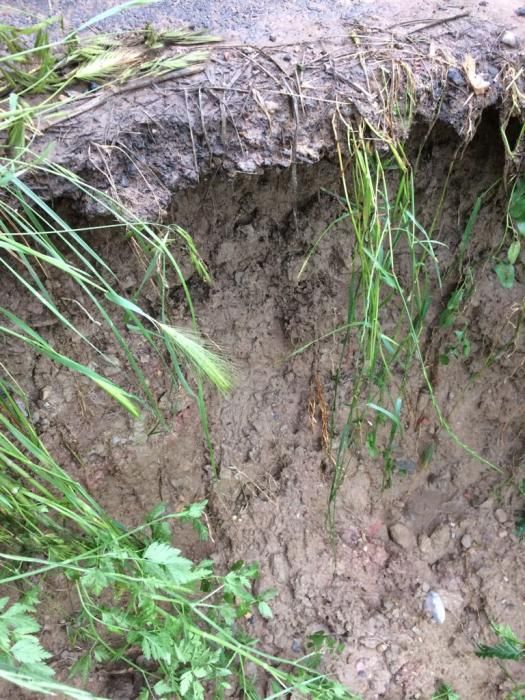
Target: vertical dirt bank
pixel 271 499
pixel 245 158
pixel 446 526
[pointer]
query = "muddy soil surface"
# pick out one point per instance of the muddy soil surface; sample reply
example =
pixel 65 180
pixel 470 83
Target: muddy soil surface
pixel 448 526
pixel 290 21
pixel 270 503
pixel 263 105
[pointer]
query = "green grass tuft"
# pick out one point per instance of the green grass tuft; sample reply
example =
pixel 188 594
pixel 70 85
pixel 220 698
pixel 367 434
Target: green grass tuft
pixel 393 268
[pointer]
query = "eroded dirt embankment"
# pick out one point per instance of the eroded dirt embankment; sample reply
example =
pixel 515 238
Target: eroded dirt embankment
pixel 265 107
pixel 269 503
pixel 254 138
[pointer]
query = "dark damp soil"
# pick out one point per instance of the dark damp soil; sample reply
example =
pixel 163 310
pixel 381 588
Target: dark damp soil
pixel 270 499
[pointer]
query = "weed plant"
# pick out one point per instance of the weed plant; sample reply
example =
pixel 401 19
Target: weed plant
pixel 380 212
pixel 445 692
pixel 393 267
pixel 508 648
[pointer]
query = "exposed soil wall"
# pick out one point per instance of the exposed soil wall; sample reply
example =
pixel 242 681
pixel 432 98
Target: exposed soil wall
pixel 257 107
pixel 269 502
pixel 258 152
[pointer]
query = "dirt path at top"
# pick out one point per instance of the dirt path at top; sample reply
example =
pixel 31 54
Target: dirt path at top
pixel 255 106
pixel 289 21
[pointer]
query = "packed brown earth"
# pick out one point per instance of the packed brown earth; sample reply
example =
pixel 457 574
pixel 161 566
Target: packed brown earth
pixel 243 158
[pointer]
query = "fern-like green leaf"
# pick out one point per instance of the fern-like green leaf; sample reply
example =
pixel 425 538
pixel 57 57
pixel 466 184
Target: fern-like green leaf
pixel 95 580
pixel 28 650
pixel 508 648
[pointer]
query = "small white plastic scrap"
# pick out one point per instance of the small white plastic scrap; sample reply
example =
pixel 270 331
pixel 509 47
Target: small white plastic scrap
pixel 433 605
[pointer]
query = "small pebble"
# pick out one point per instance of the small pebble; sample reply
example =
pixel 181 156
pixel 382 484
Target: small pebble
pixel 433 605
pixel 509 39
pixel 501 516
pixel 21 405
pixel 273 37
pixel 466 541
pixel 425 545
pixel 520 11
pixel 440 541
pixel 406 466
pixel 402 536
pixel 455 76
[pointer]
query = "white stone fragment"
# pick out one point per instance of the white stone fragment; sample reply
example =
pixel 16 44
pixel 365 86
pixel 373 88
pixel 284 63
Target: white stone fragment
pixel 509 39
pixel 434 606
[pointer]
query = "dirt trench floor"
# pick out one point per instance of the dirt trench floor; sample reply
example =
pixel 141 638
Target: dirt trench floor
pixel 269 503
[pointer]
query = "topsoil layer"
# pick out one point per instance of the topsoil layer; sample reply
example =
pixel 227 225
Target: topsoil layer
pixel 291 21
pixel 243 157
